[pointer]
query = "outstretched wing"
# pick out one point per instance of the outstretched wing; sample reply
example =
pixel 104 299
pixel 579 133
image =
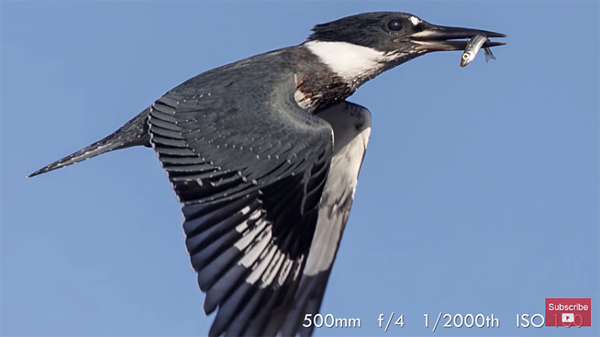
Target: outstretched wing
pixel 351 124
pixel 249 167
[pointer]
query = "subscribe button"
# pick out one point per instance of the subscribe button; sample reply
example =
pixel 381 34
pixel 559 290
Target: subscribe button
pixel 568 312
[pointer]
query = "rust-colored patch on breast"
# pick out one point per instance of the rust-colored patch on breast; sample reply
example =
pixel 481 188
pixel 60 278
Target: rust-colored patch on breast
pixel 316 85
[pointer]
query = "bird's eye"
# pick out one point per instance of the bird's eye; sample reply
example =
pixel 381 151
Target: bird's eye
pixel 395 25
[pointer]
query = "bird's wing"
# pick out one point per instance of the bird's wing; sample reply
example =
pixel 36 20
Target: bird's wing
pixel 249 167
pixel 351 124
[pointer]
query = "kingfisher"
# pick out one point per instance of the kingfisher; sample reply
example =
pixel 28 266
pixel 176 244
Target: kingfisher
pixel 264 156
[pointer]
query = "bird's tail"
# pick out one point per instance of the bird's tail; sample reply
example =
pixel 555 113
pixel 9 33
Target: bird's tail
pixel 133 133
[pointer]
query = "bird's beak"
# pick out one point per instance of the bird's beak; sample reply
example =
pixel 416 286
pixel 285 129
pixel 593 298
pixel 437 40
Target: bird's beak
pixel 440 38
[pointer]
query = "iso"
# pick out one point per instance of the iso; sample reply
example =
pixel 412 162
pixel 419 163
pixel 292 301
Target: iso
pixel 535 320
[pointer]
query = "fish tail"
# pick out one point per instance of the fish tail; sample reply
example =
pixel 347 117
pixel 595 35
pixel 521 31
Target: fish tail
pixel 487 52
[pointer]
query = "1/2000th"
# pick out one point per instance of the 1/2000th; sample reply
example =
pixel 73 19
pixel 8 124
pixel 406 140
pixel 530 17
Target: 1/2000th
pixel 468 321
pixel 329 321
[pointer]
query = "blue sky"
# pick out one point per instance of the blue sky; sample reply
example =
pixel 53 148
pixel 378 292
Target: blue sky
pixel 479 192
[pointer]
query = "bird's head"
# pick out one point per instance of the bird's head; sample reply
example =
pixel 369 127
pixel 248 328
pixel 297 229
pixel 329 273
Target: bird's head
pixel 360 47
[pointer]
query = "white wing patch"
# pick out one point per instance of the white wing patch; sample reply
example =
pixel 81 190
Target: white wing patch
pixel 249 236
pixel 266 258
pixel 273 269
pixel 352 128
pixel 260 254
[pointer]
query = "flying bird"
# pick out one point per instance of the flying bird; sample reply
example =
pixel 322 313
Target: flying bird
pixel 265 153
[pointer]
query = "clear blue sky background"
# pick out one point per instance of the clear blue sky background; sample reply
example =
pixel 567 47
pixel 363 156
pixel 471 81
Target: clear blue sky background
pixel 479 192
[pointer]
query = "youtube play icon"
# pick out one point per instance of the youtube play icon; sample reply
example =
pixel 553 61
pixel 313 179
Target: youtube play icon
pixel 568 312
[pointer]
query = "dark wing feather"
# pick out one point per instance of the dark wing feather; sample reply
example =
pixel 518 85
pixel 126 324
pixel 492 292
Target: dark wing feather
pixel 351 124
pixel 249 167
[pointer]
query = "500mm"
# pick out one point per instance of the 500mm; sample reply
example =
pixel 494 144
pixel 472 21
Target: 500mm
pixel 329 321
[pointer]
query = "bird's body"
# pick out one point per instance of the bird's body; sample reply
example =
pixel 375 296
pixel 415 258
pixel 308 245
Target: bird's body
pixel 264 154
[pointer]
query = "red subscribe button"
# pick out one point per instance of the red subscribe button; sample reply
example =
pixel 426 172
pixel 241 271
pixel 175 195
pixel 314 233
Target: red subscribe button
pixel 568 312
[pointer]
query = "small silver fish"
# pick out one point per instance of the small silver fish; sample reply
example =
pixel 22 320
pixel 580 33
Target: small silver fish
pixel 473 47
